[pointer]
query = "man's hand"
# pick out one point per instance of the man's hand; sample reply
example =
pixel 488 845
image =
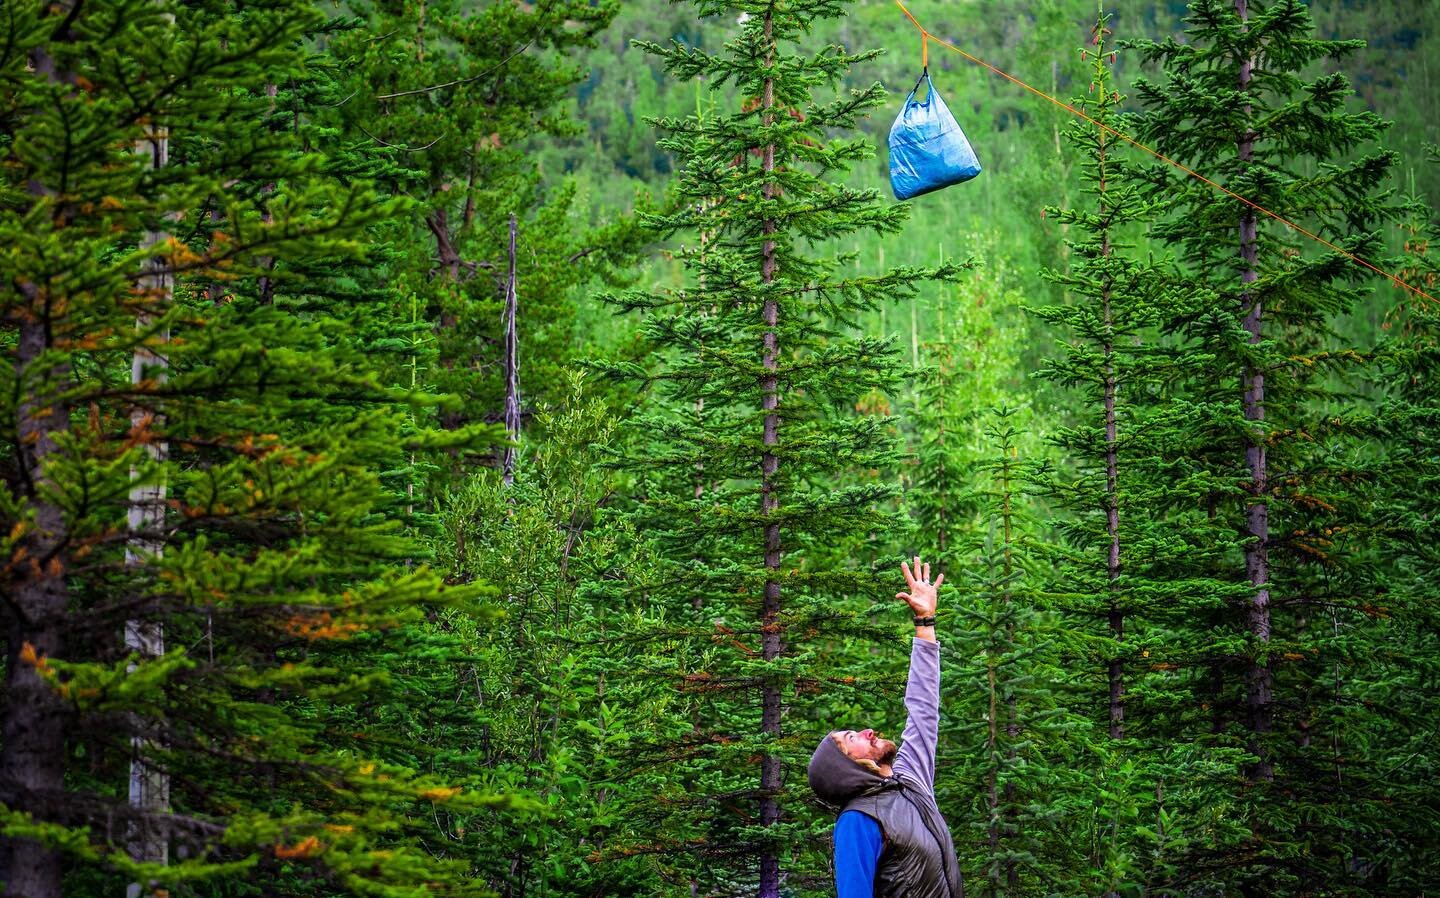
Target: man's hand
pixel 923 595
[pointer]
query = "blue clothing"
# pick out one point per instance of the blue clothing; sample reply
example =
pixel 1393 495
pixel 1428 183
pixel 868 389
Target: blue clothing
pixel 858 839
pixel 857 852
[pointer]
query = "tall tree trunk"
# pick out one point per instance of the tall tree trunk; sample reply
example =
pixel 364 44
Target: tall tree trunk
pixel 32 734
pixel 1012 713
pixel 512 368
pixel 32 759
pixel 770 778
pixel 992 777
pixel 1116 670
pixel 1115 667
pixel 266 283
pixel 149 786
pixel 1257 524
pixel 438 222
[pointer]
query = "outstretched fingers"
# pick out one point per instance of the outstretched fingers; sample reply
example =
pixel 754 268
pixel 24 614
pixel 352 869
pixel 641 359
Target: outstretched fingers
pixel 909 578
pixel 938 580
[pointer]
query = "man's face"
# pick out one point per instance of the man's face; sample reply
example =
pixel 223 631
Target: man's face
pixel 862 745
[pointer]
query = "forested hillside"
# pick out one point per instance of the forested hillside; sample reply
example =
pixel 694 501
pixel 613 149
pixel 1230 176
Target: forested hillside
pixel 467 447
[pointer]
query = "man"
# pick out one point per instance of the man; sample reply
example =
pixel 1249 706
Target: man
pixel 890 839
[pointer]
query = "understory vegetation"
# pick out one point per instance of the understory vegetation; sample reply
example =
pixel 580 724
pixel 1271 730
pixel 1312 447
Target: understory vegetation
pixel 464 447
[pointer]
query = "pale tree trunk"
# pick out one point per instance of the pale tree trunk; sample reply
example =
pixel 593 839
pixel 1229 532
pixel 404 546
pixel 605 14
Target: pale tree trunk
pixel 1116 670
pixel 32 734
pixel 1116 666
pixel 146 840
pixel 266 283
pixel 512 368
pixel 771 647
pixel 1257 524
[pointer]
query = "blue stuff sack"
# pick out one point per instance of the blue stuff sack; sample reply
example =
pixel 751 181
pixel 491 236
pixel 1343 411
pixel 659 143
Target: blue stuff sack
pixel 928 150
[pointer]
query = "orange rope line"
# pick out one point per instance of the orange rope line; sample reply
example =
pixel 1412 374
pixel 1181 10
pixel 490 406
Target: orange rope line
pixel 1163 158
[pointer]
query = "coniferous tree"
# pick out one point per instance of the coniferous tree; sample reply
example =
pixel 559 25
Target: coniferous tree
pixel 1007 720
pixel 758 334
pixel 966 360
pixel 1124 526
pixel 531 705
pixel 1107 355
pixel 457 95
pixel 271 546
pixel 1394 633
pixel 1270 435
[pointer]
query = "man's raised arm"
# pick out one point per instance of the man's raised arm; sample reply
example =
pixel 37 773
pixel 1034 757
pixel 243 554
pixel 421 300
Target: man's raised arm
pixel 916 757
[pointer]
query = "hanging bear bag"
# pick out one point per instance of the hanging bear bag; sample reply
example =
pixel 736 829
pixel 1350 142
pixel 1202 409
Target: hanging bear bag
pixel 928 150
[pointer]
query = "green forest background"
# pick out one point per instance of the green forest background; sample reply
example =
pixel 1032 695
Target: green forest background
pixel 447 453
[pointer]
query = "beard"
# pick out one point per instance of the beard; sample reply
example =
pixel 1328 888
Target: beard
pixel 888 750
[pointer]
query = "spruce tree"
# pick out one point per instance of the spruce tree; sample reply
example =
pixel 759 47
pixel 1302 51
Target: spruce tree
pixel 1114 300
pixel 272 545
pixel 965 362
pixel 458 96
pixel 760 333
pixel 1119 494
pixel 1270 435
pixel 1392 670
pixel 1011 768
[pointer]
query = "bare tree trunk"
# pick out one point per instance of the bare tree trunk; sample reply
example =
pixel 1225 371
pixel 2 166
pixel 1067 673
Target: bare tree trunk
pixel 32 756
pixel 1257 524
pixel 266 283
pixel 771 647
pixel 149 786
pixel 992 793
pixel 32 734
pixel 1112 476
pixel 512 368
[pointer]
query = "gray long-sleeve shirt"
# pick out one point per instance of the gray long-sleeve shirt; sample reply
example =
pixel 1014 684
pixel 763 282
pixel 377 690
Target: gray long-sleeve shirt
pixel 916 759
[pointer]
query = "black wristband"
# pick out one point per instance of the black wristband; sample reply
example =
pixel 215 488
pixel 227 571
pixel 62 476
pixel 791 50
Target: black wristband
pixel 925 621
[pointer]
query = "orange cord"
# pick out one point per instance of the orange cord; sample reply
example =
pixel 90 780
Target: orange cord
pixel 1162 157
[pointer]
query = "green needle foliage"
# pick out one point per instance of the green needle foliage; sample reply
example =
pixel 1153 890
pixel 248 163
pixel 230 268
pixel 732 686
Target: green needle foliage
pixel 1272 436
pixel 1111 358
pixel 274 624
pixel 1012 767
pixel 749 428
pixel 1128 519
pixel 484 83
pixel 1396 639
pixel 270 558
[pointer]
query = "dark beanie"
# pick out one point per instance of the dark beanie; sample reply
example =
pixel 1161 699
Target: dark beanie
pixel 836 778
